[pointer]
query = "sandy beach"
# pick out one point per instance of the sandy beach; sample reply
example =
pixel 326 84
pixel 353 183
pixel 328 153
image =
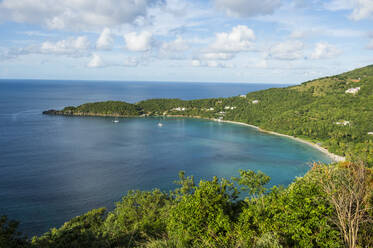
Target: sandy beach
pixel 333 156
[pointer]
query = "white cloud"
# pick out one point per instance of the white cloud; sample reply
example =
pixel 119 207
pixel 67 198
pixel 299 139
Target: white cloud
pixel 324 50
pixel 361 9
pixel 289 50
pixel 140 42
pixel 211 63
pixel 217 56
pixel 177 45
pixel 219 64
pixel 74 47
pixel 131 62
pixel 238 40
pixel 95 62
pixel 174 49
pixel 75 14
pixel 105 41
pixel 247 8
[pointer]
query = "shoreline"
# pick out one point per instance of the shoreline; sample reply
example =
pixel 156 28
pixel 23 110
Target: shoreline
pixel 334 157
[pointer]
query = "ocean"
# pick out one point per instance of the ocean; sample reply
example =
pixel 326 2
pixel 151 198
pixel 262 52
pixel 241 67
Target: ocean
pixel 53 168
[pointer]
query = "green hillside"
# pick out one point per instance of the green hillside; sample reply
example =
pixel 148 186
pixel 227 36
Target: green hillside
pixel 319 111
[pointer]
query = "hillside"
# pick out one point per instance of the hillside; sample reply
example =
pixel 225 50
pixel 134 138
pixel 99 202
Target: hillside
pixel 319 111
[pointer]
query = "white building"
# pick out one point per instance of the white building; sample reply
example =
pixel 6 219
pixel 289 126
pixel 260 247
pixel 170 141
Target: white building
pixel 353 90
pixel 229 107
pixel 179 109
pixel 243 96
pixel 255 102
pixel 344 123
pixel 370 133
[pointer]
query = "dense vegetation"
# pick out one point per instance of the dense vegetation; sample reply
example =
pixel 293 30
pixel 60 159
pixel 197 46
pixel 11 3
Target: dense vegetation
pixel 109 108
pixel 319 111
pixel 211 214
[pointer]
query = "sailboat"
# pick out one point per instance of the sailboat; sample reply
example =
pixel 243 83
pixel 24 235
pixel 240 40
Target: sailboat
pixel 160 123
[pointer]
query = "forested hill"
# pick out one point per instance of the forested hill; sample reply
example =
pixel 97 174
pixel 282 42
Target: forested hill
pixel 335 111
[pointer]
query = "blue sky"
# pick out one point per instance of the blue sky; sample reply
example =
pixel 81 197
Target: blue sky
pixel 267 41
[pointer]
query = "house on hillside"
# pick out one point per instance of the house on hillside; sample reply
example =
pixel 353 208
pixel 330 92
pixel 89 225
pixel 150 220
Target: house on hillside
pixel 179 109
pixel 355 80
pixel 343 123
pixel 370 133
pixel 243 96
pixel 352 90
pixel 255 102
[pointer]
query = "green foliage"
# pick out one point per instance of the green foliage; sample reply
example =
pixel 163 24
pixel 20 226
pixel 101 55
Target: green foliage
pixel 268 240
pixel 296 214
pixel 205 216
pixel 9 236
pixel 109 108
pixel 252 182
pixel 81 231
pixel 138 217
pixel 187 184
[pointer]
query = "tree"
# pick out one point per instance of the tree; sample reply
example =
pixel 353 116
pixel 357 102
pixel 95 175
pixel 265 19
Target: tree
pixel 347 190
pixel 9 236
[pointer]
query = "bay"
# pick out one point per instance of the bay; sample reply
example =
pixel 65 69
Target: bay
pixel 53 168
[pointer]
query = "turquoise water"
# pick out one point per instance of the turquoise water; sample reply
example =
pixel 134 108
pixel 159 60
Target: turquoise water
pixel 53 168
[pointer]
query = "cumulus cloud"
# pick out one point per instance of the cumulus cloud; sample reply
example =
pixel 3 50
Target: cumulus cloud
pixel 324 50
pixel 74 47
pixel 247 8
pixel 105 41
pixel 174 49
pixel 95 62
pixel 238 40
pixel 72 14
pixel 361 9
pixel 289 50
pixel 138 42
pixel 177 45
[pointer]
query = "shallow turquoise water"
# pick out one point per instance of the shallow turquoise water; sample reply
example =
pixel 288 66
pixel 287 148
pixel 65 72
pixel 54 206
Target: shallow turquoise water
pixel 53 168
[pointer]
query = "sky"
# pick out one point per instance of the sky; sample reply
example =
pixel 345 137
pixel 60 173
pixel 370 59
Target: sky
pixel 266 41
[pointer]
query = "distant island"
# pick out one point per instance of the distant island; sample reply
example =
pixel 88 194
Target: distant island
pixel 334 112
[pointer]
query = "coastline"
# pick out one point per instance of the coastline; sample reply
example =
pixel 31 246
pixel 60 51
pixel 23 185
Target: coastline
pixel 334 157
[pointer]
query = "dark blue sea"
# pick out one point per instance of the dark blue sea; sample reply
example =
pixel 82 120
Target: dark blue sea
pixel 53 168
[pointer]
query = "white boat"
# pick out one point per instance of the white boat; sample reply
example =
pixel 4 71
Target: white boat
pixel 160 124
pixel 116 121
